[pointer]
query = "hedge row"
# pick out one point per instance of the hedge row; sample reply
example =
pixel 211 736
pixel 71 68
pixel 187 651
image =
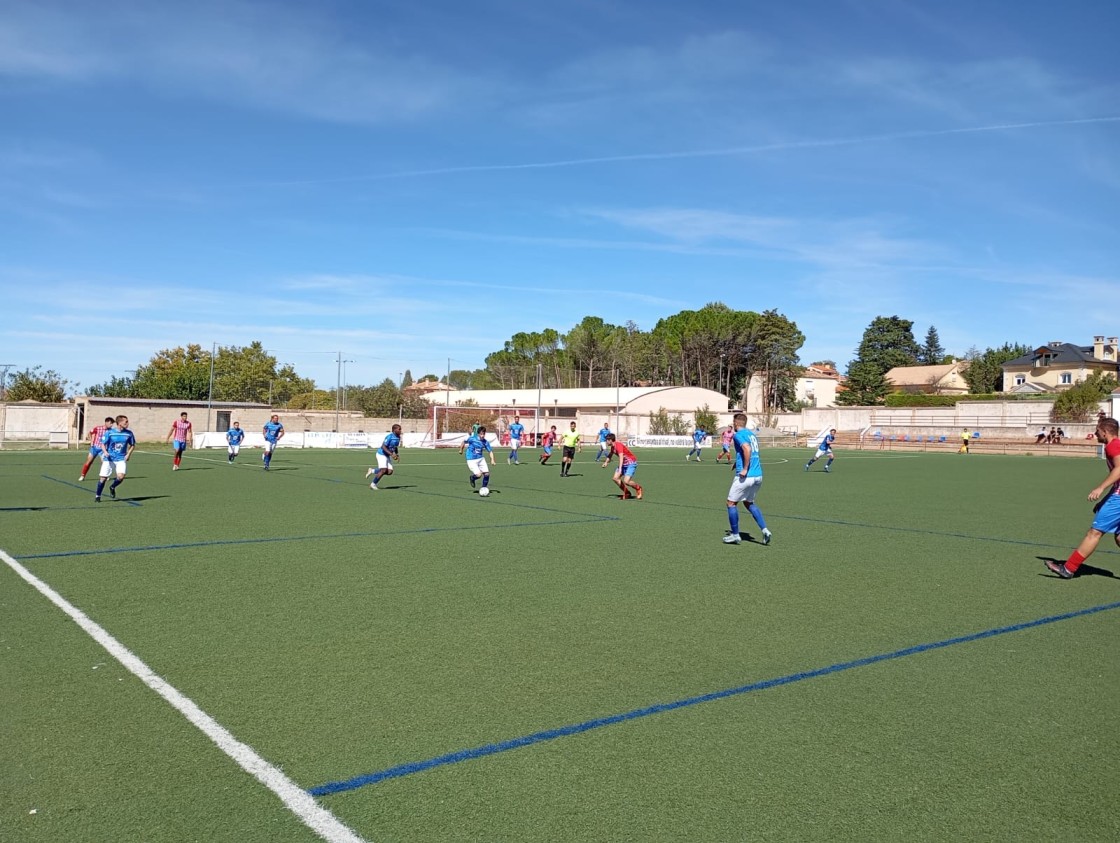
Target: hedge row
pixel 904 399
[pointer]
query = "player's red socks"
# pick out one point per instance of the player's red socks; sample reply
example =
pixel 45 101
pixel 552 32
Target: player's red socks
pixel 1074 562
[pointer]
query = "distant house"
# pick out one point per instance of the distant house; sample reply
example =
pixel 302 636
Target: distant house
pixel 944 379
pixel 1057 366
pixel 425 388
pixel 817 386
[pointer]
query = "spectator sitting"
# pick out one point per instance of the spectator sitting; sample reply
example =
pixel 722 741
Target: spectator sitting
pixel 1042 436
pixel 1059 436
pixel 1052 437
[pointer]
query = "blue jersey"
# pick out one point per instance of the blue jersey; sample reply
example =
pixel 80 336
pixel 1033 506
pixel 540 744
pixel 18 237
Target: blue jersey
pixel 604 433
pixel 699 436
pixel 826 443
pixel 515 430
pixel 234 435
pixel 476 446
pixel 272 431
pixel 115 444
pixel 389 445
pixel 745 437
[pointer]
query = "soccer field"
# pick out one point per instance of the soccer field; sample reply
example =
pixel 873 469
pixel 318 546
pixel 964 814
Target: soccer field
pixel 552 663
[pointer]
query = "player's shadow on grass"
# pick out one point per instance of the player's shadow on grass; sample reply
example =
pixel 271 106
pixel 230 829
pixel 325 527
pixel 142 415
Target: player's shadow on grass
pixel 395 488
pixel 1083 571
pixel 138 498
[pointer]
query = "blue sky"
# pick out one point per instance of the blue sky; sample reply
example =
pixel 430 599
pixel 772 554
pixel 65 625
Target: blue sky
pixel 410 182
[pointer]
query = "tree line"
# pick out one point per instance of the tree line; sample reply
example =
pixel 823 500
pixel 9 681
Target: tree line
pixel 716 347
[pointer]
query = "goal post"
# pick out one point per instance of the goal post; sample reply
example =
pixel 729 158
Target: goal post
pixel 451 425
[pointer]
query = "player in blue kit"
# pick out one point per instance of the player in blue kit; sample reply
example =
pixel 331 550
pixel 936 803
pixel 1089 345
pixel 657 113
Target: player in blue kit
pixel 273 433
pixel 698 437
pixel 389 451
pixel 824 448
pixel 234 437
pixel 116 447
pixel 516 431
pixel 476 447
pixel 601 441
pixel 746 482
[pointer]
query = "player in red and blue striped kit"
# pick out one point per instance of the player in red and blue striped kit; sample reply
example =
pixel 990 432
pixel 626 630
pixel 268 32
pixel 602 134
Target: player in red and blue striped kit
pixel 95 444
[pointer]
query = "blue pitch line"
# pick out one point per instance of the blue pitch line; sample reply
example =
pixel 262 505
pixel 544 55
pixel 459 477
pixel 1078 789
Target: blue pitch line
pixel 87 489
pixel 272 539
pixel 402 770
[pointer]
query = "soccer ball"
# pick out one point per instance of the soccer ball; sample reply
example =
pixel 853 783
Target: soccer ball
pixel 484 491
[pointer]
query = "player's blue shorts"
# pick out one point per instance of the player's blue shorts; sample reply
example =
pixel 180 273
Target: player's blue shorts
pixel 1107 519
pixel 629 469
pixel 727 449
pixel 179 444
pixel 94 451
pixel 548 449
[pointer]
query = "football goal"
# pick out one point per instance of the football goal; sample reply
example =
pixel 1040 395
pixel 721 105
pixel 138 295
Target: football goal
pixel 451 425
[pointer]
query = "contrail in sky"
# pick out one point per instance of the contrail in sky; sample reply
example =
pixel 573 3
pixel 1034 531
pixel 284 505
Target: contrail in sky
pixel 708 153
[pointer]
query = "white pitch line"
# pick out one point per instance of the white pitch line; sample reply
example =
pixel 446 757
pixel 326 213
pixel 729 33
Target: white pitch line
pixel 295 798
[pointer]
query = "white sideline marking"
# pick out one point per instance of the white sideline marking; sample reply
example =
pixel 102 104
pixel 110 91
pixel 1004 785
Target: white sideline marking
pixel 295 798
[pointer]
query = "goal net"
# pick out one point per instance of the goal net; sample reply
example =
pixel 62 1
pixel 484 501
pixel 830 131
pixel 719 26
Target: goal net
pixel 451 425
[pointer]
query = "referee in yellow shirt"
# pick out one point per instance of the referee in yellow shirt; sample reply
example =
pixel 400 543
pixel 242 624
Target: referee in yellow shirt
pixel 570 439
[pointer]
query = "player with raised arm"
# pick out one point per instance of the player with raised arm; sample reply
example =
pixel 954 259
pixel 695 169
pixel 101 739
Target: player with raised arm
pixel 95 445
pixel 234 437
pixel 516 431
pixel 390 450
pixel 745 483
pixel 1107 511
pixel 273 433
pixel 547 441
pixel 183 431
pixel 117 444
pixel 627 465
pixel 571 442
pixel 476 447
pixel 824 448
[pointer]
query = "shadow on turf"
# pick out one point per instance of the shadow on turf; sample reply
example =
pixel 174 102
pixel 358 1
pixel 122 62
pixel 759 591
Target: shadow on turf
pixel 1083 571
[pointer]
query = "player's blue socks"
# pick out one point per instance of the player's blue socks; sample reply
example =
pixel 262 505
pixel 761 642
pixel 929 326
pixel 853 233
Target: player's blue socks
pixel 753 509
pixel 829 463
pixel 733 519
pixel 100 487
pixel 485 480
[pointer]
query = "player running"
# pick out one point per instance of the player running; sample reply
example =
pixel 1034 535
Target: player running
pixel 273 433
pixel 824 448
pixel 547 441
pixel 183 431
pixel 627 465
pixel 1106 512
pixel 95 445
pixel 698 437
pixel 476 447
pixel 117 444
pixel 725 440
pixel 604 448
pixel 745 483
pixel 570 438
pixel 389 451
pixel 234 437
pixel 516 431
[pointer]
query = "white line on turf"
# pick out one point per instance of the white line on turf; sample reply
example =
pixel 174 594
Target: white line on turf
pixel 295 798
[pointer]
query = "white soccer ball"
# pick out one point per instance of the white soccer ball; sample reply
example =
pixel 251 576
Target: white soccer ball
pixel 484 491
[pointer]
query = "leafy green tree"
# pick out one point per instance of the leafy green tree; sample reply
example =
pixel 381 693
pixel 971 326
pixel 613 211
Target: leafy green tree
pixel 866 386
pixel 887 342
pixel 115 387
pixel 984 374
pixel 1079 403
pixel 387 400
pixel 705 418
pixel 590 344
pixel 931 353
pixel 34 384
pixel 250 373
pixel 406 378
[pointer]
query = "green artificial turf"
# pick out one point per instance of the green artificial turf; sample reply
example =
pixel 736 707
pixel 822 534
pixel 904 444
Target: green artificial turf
pixel 341 631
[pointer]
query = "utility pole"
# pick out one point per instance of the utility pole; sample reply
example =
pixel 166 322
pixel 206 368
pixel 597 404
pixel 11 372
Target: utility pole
pixel 337 391
pixel 4 367
pixel 210 391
